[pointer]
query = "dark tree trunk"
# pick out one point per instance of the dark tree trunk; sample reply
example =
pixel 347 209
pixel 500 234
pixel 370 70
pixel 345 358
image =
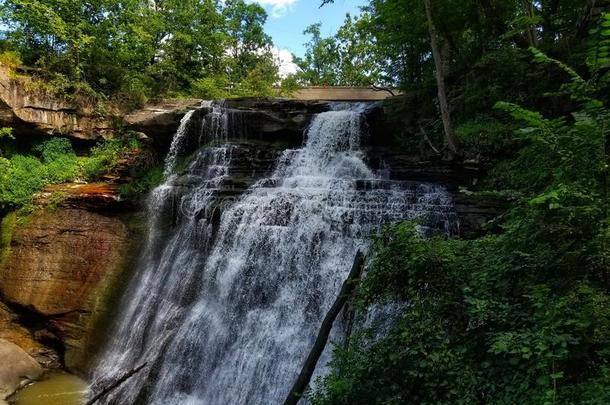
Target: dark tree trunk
pixel 115 384
pixel 452 141
pixel 532 35
pixel 299 387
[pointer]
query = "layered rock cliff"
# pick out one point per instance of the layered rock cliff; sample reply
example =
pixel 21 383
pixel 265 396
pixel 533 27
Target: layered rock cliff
pixel 61 264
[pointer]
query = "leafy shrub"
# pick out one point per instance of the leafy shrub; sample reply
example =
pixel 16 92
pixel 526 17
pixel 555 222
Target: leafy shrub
pixel 211 88
pixel 54 161
pixel 10 59
pixel 24 176
pixel 106 155
pixel 520 317
pixel 484 136
pixel 59 160
pixel 143 182
pixel 289 86
pixel 6 133
pixel 103 157
pixel 134 92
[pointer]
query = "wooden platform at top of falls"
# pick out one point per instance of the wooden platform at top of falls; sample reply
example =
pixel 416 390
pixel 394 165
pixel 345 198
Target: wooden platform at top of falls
pixel 343 93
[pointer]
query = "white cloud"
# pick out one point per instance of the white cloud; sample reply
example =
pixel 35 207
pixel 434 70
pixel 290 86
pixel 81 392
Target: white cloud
pixel 285 62
pixel 279 8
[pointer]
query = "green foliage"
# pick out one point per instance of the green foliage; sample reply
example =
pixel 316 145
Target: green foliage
pixel 128 51
pixel 486 137
pixel 259 81
pixel 211 88
pixel 105 156
pixel 23 176
pixel 347 59
pixel 289 85
pixel 10 59
pixel 143 181
pixel 249 45
pixel 54 161
pixel 395 37
pixel 518 317
pixel 598 57
pixel 320 64
pixel 6 133
pixel 59 160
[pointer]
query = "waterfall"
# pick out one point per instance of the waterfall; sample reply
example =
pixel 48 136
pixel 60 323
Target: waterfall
pixel 226 310
pixel 172 155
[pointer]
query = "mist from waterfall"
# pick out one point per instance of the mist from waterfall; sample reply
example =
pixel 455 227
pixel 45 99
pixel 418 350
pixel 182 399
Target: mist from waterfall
pixel 226 310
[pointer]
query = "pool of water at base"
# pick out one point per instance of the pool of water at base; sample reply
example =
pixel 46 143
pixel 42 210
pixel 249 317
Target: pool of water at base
pixel 54 389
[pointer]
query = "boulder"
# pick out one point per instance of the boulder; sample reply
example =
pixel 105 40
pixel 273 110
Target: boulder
pixel 18 368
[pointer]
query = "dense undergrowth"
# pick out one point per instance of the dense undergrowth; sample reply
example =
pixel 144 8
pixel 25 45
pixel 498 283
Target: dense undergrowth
pixel 521 315
pixel 27 169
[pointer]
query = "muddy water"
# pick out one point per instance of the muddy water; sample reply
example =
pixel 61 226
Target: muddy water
pixel 55 389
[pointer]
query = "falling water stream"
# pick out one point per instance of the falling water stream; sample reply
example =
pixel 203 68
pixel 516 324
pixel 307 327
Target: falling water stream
pixel 229 293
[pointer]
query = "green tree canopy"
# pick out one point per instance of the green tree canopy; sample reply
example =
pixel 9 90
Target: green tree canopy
pixel 140 48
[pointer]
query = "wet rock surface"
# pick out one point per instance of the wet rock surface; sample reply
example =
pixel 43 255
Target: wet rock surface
pixel 160 120
pixel 60 269
pixel 18 368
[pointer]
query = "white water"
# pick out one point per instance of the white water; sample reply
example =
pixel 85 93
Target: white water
pixel 228 315
pixel 172 155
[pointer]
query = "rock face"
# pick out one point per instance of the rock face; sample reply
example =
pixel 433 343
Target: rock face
pixel 60 268
pixel 260 129
pixel 271 119
pixel 475 212
pixel 18 368
pixel 266 119
pixel 161 120
pixel 37 112
pixel 58 258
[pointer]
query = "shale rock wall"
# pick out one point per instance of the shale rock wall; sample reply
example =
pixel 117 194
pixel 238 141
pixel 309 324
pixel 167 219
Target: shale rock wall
pixel 60 267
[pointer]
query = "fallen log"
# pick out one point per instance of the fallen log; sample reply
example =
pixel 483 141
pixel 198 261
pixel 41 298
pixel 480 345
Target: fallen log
pixel 115 384
pixel 349 285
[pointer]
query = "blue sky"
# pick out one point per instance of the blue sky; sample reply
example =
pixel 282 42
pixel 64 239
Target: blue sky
pixel 289 18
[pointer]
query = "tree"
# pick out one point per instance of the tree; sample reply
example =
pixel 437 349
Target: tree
pixel 452 140
pixel 358 62
pixel 320 65
pixel 133 49
pixel 249 46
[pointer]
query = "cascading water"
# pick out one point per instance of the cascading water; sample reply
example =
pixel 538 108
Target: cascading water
pixel 227 314
pixel 172 155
